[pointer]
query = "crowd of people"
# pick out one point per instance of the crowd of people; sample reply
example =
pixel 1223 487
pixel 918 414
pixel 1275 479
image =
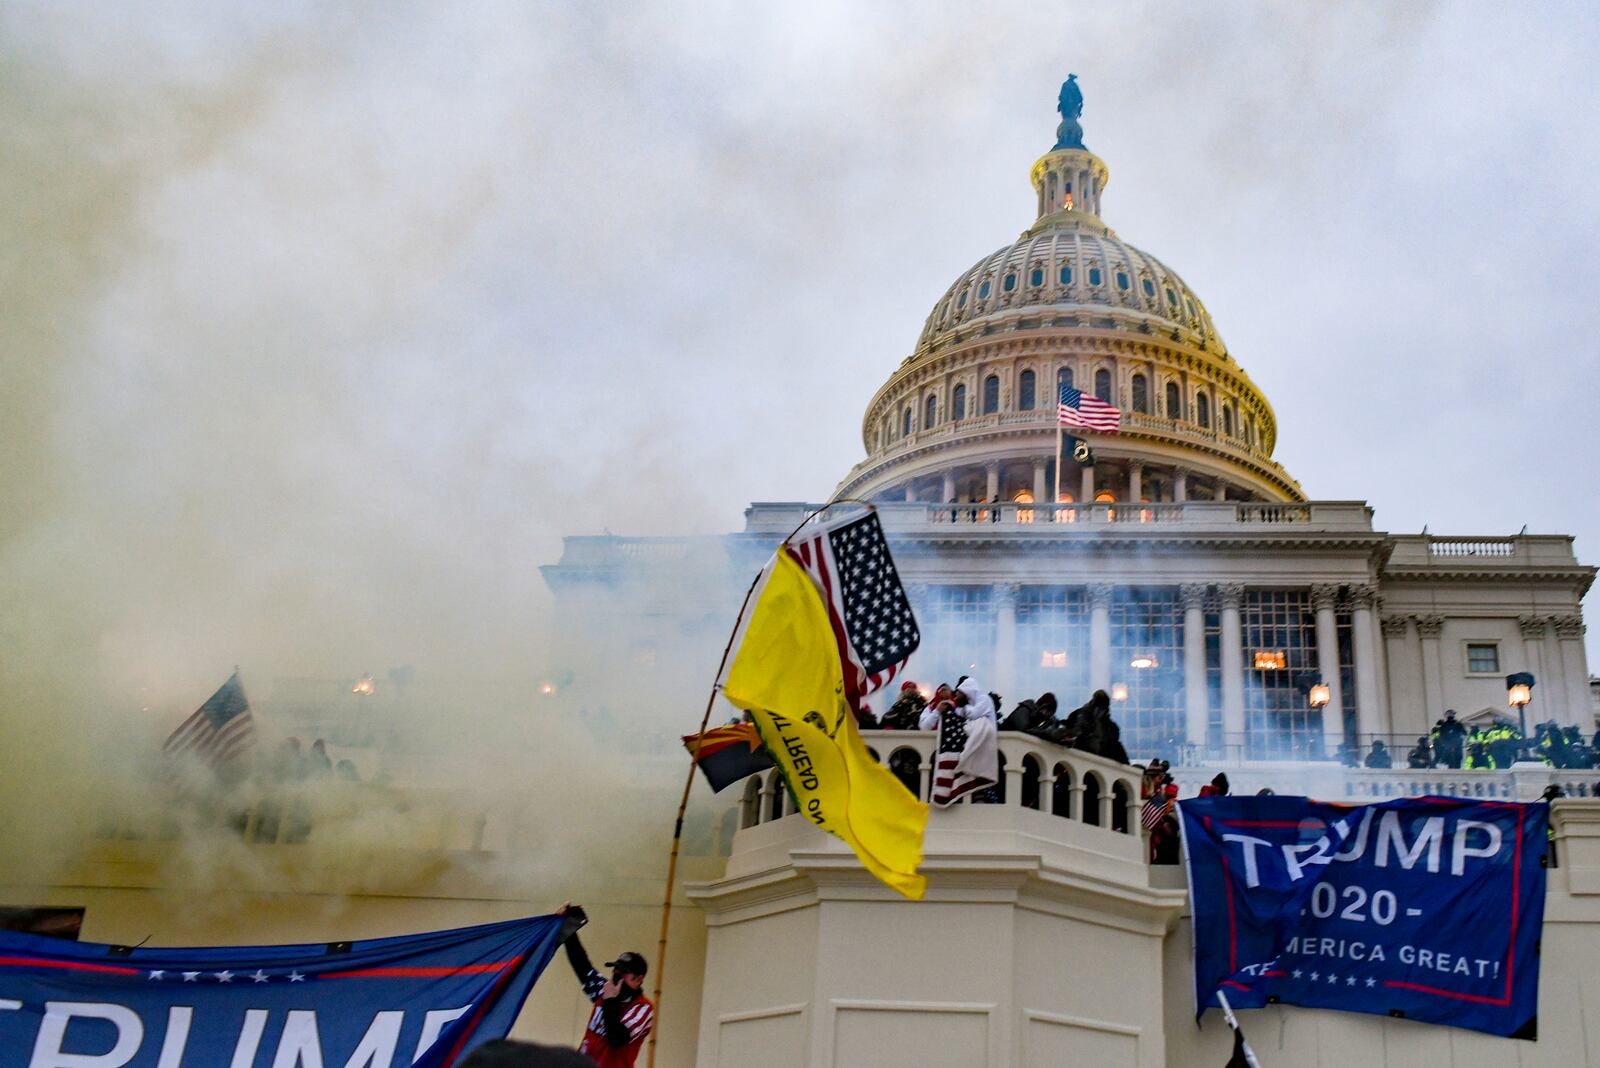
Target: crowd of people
pixel 1452 744
pixel 1089 727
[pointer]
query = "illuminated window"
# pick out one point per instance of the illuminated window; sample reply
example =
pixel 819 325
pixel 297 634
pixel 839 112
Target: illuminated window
pixel 1105 497
pixel 1202 409
pixel 930 409
pixel 1010 282
pixel 1141 394
pixel 1066 275
pixel 1094 276
pixel 1122 281
pixel 983 290
pixel 1174 401
pixel 1024 515
pixel 1037 277
pixel 958 403
pixel 1102 385
pixel 1053 658
pixel 1025 391
pixel 1270 660
pixel 1483 659
pixel 991 394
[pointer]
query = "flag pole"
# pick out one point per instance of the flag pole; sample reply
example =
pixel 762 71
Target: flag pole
pixel 688 782
pixel 1056 499
pixel 1233 1022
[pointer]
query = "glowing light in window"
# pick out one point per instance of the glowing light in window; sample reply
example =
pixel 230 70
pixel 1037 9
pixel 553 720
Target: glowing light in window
pixel 1143 661
pixel 365 687
pixel 1119 691
pixel 1271 660
pixel 1053 660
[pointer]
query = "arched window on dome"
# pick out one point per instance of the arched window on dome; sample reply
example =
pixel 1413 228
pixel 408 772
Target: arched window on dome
pixel 1063 380
pixel 1009 283
pixel 1148 286
pixel 1036 279
pixel 1025 391
pixel 1202 410
pixel 961 301
pixel 1102 385
pixel 930 411
pixel 958 403
pixel 905 424
pixel 1094 276
pixel 1227 419
pixel 991 394
pixel 983 290
pixel 1122 281
pixel 1174 401
pixel 1066 274
pixel 1252 435
pixel 1141 393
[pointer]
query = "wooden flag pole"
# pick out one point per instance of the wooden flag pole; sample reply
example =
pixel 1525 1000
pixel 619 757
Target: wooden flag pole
pixel 688 782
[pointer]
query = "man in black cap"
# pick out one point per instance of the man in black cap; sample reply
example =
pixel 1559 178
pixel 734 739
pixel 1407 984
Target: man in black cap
pixel 622 1015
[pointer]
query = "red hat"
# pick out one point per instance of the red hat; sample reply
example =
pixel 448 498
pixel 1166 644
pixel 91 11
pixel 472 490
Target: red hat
pixel 1172 789
pixel 907 685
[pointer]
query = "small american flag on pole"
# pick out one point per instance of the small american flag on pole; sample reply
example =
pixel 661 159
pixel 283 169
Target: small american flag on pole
pixel 1090 413
pixel 219 730
pixel 871 616
pixel 1154 810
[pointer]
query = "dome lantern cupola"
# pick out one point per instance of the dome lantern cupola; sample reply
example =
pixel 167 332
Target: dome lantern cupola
pixel 1069 178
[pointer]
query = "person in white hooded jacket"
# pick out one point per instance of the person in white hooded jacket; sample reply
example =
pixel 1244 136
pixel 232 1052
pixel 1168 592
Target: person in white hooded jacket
pixel 980 757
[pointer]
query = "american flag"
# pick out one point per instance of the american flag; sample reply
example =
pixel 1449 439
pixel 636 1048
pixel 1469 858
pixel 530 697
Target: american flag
pixel 1154 809
pixel 871 616
pixel 950 785
pixel 1091 413
pixel 219 730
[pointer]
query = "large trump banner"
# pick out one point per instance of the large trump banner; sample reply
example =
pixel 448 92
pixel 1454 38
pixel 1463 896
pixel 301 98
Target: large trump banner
pixel 422 1000
pixel 1424 908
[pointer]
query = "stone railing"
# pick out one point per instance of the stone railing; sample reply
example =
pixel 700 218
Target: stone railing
pixel 1035 774
pixel 1471 547
pixel 1522 782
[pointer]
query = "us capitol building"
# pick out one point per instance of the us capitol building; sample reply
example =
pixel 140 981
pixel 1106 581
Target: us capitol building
pixel 1175 564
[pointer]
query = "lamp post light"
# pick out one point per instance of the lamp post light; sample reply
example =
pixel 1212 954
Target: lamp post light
pixel 1319 695
pixel 1519 694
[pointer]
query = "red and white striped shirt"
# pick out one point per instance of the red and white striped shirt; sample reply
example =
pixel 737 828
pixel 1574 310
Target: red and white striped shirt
pixel 638 1016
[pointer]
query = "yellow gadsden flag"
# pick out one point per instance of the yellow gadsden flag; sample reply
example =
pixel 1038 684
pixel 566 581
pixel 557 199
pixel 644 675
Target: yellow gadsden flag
pixel 787 673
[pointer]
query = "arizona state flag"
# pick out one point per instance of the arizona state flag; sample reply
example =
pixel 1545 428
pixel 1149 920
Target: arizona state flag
pixel 725 755
pixel 789 676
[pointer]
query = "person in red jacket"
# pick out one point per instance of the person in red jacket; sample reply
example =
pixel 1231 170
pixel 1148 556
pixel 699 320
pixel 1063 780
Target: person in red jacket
pixel 622 1016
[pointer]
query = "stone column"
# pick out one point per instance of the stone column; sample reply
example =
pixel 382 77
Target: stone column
pixel 1195 713
pixel 1086 485
pixel 1005 637
pixel 1323 599
pixel 1100 636
pixel 1394 638
pixel 1232 664
pixel 1428 629
pixel 1180 483
pixel 1371 717
pixel 1574 666
pixel 992 490
pixel 1532 628
pixel 948 493
pixel 1041 489
pixel 1135 481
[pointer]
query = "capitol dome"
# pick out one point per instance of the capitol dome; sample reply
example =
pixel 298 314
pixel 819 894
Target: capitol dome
pixel 970 415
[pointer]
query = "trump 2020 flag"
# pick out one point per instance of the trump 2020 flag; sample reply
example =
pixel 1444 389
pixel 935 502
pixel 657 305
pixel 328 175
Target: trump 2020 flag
pixel 1427 908
pixel 424 1000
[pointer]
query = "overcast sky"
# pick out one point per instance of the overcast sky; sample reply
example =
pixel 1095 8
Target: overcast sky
pixel 323 325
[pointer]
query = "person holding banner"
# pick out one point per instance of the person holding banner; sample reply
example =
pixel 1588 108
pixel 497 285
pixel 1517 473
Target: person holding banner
pixel 622 1015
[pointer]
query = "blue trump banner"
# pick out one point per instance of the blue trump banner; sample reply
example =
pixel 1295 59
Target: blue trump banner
pixel 423 999
pixel 1426 908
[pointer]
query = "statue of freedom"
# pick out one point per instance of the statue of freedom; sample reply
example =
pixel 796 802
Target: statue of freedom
pixel 1070 133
